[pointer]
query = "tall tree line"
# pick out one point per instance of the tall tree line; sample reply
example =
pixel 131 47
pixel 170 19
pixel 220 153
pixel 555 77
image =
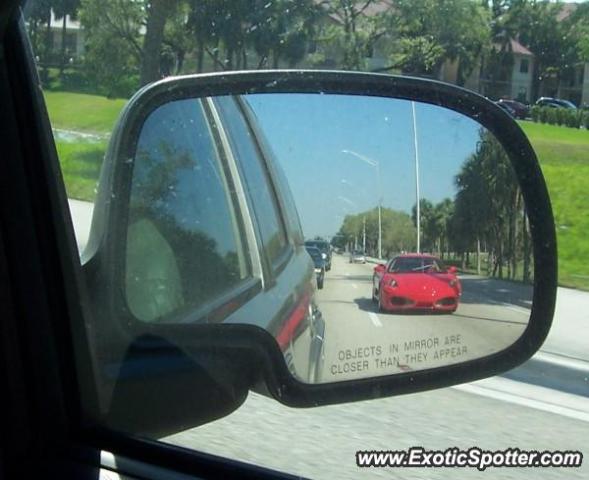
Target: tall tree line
pixel 142 40
pixel 489 214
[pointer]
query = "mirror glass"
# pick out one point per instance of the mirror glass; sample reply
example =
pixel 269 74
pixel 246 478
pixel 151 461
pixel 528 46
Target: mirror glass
pixel 370 236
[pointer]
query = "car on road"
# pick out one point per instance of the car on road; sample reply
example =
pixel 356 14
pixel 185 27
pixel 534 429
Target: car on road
pixel 510 110
pixel 325 249
pixel 416 282
pixel 555 103
pixel 357 256
pixel 319 263
pixel 517 109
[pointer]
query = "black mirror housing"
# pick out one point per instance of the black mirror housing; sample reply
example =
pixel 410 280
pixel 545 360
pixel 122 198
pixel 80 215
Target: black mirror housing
pixel 102 262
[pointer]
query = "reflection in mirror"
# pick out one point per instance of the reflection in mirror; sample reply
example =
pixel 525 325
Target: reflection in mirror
pixel 413 284
pixel 415 249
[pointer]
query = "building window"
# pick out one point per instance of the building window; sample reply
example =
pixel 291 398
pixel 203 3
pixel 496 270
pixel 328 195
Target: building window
pixel 524 65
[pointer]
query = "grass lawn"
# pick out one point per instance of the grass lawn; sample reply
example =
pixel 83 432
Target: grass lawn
pixel 564 157
pixel 81 112
pixel 80 167
pixel 81 159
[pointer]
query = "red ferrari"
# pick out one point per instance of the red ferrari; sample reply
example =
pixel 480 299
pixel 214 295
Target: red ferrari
pixel 416 282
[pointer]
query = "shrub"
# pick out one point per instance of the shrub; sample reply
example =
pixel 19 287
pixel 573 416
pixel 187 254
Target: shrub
pixel 576 118
pixel 543 114
pixel 551 116
pixel 535 113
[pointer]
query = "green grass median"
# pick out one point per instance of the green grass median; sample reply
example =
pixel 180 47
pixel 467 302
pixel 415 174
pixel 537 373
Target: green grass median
pixel 564 158
pixel 80 167
pixel 82 113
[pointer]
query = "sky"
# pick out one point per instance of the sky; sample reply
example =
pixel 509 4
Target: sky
pixel 310 134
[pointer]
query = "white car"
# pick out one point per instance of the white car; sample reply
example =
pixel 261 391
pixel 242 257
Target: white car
pixel 357 257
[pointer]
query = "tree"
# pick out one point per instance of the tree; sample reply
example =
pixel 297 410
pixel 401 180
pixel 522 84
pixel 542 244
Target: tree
pixel 428 223
pixel 282 29
pixel 62 9
pixel 354 30
pixel 432 32
pixel 578 27
pixel 156 14
pixel 488 208
pixel 398 232
pixel 124 39
pixel 540 30
pixel 113 43
pixel 38 14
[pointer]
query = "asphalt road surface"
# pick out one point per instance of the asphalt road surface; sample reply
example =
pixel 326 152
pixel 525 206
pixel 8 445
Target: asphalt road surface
pixel 360 342
pixel 321 442
pixel 493 414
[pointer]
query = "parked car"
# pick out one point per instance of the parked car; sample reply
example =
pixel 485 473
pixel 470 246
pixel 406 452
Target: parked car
pixel 357 256
pixel 416 282
pixel 507 108
pixel 325 249
pixel 319 263
pixel 519 109
pixel 555 103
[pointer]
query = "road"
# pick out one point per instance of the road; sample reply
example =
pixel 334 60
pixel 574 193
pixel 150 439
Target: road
pixel 492 414
pixel 321 442
pixel 360 342
pixel 496 413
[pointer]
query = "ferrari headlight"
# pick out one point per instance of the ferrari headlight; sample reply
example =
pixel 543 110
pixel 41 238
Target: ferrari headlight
pixel 453 283
pixel 393 283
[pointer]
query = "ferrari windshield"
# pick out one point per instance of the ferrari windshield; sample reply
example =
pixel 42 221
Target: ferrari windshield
pixel 416 265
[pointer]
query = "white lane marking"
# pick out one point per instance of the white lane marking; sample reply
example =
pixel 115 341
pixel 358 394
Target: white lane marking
pixel 374 318
pixel 347 274
pixel 354 285
pixel 510 391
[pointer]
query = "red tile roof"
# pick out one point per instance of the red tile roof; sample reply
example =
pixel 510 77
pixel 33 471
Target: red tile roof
pixel 517 47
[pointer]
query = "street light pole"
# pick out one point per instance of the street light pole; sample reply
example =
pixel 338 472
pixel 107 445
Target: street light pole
pixel 364 237
pixel 379 212
pixel 416 151
pixel 375 164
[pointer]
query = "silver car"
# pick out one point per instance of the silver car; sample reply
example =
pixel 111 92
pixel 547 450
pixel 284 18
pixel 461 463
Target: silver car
pixel 357 256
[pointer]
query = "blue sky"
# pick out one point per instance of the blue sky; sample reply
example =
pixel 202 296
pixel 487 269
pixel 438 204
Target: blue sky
pixel 309 133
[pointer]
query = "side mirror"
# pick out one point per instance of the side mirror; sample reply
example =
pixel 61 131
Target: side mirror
pixel 452 269
pixel 196 257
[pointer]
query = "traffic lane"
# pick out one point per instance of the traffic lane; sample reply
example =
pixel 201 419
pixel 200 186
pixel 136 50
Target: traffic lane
pixel 322 442
pixel 360 342
pixel 485 289
pixel 570 327
pixel 480 289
